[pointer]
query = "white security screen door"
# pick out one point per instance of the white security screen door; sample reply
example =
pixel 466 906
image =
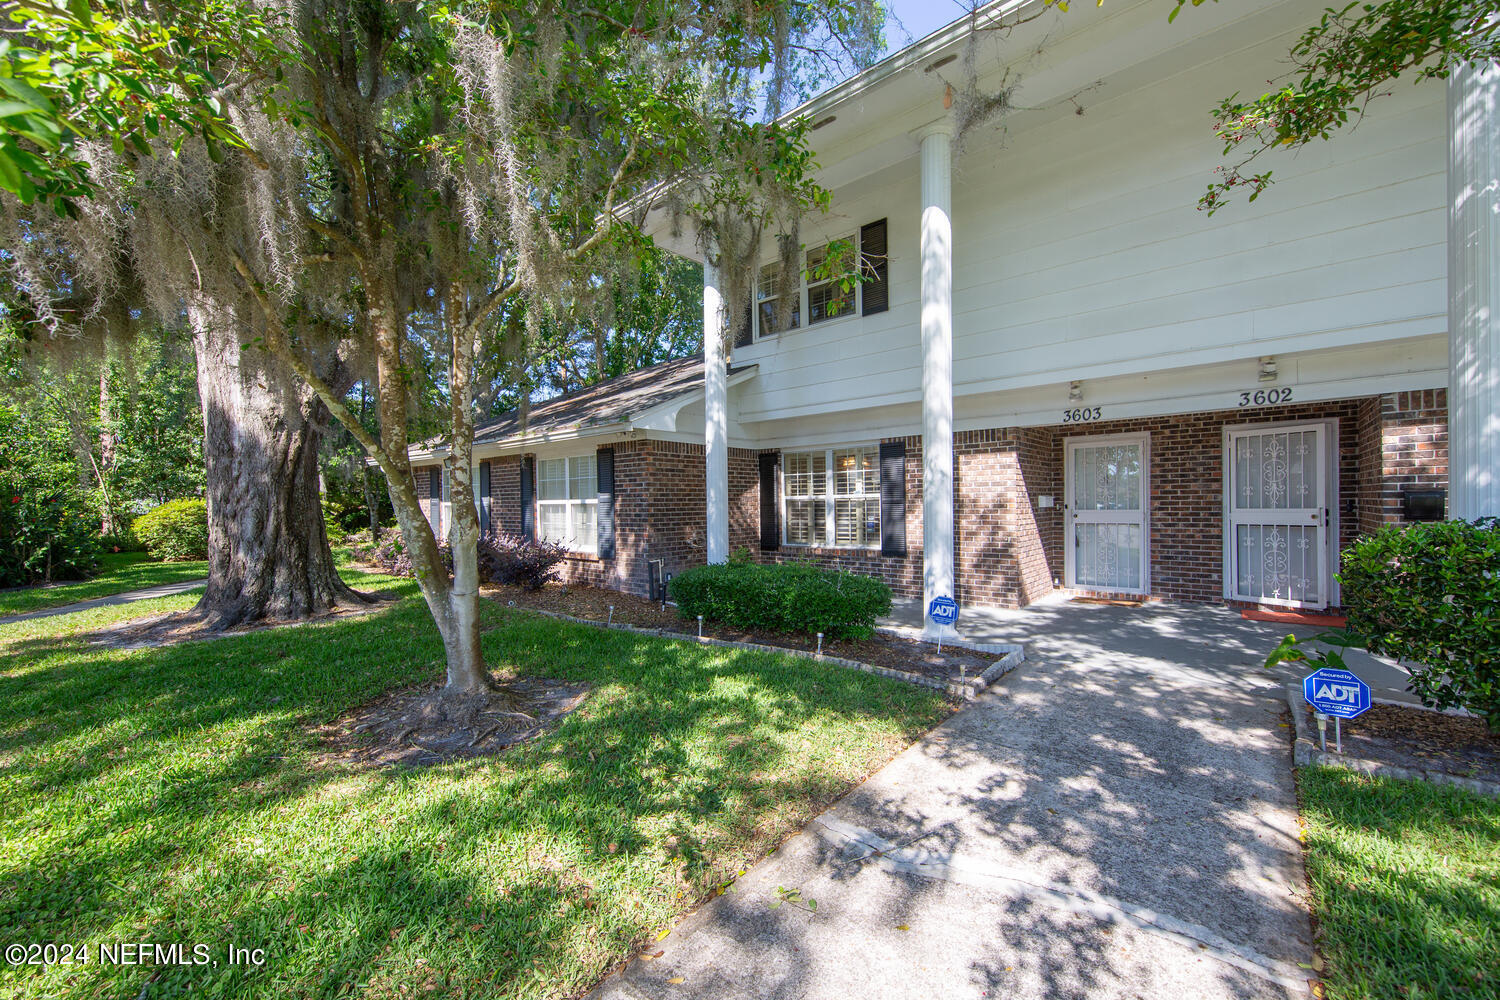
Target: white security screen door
pixel 1277 536
pixel 1107 495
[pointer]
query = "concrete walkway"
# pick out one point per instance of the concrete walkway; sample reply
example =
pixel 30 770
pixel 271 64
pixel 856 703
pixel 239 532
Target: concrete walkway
pixel 129 597
pixel 1057 626
pixel 1114 819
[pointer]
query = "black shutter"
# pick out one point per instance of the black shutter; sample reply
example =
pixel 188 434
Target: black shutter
pixel 484 498
pixel 435 498
pixel 528 498
pixel 893 499
pixel 770 526
pixel 605 521
pixel 875 293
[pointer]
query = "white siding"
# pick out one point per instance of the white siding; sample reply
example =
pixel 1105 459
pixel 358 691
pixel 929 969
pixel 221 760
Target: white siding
pixel 1079 253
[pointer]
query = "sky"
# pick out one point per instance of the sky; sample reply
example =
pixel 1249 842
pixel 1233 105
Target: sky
pixel 910 20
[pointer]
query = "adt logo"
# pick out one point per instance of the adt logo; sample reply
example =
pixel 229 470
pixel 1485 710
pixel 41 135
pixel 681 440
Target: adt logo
pixel 1336 692
pixel 943 610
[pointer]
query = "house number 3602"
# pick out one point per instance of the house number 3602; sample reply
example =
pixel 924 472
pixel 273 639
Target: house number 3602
pixel 1080 414
pixel 1266 397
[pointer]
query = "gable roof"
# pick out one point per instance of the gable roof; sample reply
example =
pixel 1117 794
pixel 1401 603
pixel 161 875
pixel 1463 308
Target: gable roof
pixel 611 406
pixel 613 401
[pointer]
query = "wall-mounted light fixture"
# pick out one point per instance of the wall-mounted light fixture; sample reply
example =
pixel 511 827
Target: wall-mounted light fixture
pixel 1268 369
pixel 1075 391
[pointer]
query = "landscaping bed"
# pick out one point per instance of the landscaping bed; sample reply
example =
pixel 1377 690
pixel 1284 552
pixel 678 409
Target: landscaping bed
pixel 1416 739
pixel 954 664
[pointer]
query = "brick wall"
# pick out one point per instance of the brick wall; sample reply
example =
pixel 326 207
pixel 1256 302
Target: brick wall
pixel 1413 436
pixel 1187 489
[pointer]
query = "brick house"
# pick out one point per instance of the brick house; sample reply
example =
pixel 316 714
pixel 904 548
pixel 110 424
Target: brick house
pixel 1061 374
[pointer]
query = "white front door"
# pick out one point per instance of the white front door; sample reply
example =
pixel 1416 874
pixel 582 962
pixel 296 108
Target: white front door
pixel 1107 494
pixel 1277 499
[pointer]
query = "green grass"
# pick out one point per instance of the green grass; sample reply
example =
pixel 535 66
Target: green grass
pixel 118 572
pixel 1406 886
pixel 173 796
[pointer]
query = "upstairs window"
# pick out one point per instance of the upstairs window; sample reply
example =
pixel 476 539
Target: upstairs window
pixel 768 301
pixel 830 292
pixel 827 287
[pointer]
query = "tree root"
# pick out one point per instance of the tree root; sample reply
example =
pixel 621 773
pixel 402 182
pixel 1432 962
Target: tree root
pixel 429 725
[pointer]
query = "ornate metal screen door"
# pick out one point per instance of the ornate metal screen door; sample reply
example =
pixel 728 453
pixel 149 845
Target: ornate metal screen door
pixel 1106 496
pixel 1278 515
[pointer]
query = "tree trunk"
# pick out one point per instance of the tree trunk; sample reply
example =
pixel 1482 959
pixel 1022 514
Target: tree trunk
pixel 268 553
pixel 106 434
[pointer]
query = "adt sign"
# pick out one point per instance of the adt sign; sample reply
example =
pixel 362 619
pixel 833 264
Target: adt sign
pixel 943 610
pixel 1337 693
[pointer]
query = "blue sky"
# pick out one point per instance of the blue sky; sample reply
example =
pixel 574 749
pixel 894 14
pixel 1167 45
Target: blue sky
pixel 912 19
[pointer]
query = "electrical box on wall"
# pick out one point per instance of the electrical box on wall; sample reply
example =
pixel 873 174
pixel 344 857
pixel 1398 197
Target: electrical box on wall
pixel 1045 501
pixel 1424 505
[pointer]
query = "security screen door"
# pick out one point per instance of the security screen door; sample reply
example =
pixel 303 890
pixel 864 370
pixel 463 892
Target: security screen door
pixel 1107 493
pixel 1277 535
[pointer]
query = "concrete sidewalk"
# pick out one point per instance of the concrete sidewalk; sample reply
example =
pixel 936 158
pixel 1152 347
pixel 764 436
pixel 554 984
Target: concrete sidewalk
pixel 1056 626
pixel 129 597
pixel 1115 819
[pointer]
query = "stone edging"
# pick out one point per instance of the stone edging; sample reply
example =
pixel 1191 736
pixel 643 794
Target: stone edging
pixel 967 689
pixel 1305 751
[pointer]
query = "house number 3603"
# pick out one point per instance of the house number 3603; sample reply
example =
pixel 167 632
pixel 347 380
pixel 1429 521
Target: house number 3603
pixel 1266 397
pixel 1080 414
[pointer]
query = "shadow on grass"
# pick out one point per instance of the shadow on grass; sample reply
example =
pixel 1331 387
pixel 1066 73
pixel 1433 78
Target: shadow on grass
pixel 171 795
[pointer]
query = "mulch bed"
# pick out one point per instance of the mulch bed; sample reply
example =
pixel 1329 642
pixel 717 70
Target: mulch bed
pixel 401 729
pixel 593 604
pixel 1421 740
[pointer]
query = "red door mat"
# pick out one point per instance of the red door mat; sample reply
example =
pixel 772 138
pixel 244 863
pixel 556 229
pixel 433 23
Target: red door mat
pixel 1294 618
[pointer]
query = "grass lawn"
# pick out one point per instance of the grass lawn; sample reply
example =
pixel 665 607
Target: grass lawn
pixel 173 796
pixel 118 572
pixel 1406 886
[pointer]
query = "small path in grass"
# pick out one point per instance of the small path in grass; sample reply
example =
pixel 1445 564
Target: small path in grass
pixel 1116 818
pixel 129 597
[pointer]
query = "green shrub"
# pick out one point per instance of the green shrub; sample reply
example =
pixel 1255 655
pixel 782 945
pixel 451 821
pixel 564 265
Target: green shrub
pixel 175 531
pixel 1429 595
pixel 789 597
pixel 47 532
pixel 123 540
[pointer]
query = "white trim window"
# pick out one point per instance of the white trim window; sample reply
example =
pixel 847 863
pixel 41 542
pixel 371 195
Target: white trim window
pixel 831 498
pixel 826 298
pixel 768 299
pixel 567 501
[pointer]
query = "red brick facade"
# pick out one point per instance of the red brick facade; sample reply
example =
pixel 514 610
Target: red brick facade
pixel 1009 548
pixel 1403 445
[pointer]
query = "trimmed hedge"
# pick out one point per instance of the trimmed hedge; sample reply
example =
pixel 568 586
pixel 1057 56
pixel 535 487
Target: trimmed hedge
pixel 785 597
pixel 175 531
pixel 1429 595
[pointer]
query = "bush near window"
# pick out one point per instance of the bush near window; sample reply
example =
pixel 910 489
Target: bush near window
pixel 1429 595
pixel 516 559
pixel 175 531
pixel 785 597
pixel 47 532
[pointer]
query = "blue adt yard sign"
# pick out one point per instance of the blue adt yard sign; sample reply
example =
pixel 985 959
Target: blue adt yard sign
pixel 943 610
pixel 1337 693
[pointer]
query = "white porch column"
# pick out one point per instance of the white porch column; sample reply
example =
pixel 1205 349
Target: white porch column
pixel 716 416
pixel 1474 292
pixel 937 362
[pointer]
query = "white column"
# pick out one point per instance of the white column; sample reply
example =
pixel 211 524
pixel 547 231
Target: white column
pixel 937 362
pixel 1474 292
pixel 716 415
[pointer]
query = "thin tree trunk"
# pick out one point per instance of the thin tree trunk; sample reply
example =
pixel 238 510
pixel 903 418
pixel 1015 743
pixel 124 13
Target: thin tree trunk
pixel 106 433
pixel 268 555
